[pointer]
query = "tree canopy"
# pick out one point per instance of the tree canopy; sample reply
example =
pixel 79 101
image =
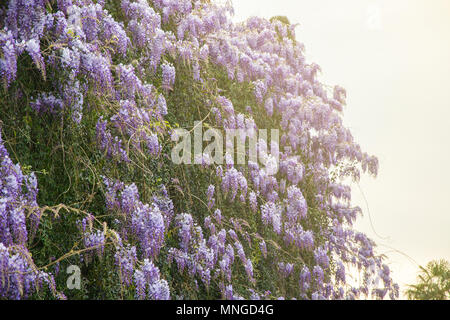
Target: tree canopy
pixel 433 282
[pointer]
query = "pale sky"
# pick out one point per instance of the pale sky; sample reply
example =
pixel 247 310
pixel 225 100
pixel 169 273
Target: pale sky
pixel 393 57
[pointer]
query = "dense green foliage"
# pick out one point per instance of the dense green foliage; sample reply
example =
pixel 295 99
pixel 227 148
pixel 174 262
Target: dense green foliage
pixel 433 282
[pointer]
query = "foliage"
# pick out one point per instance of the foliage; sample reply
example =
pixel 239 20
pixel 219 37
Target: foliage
pixel 92 92
pixel 433 282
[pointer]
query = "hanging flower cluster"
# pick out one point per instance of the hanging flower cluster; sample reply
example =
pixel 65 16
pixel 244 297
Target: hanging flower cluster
pixel 19 277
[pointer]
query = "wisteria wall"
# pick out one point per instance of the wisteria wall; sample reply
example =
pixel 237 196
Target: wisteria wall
pixel 91 94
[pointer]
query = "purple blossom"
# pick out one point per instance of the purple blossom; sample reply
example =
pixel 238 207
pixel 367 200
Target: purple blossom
pixel 271 213
pixel 96 242
pixel 260 90
pixel 285 268
pixel 165 205
pixel 153 145
pixel 249 269
pixel 185 224
pixel 321 257
pixel 148 283
pixel 14 198
pixel 47 103
pixel 263 248
pixel 125 259
pixel 147 223
pixel 19 276
pixel 210 194
pixel 306 240
pixel 340 272
pixel 218 216
pixel 114 31
pixel 240 251
pixel 253 201
pixel 318 276
pixel 8 59
pixel 168 76
pixel 305 279
pixel 162 105
pixel 296 204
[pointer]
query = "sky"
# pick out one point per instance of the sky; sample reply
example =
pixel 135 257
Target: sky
pixel 393 57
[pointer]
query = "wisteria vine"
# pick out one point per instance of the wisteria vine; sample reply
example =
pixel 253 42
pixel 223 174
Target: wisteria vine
pixel 128 55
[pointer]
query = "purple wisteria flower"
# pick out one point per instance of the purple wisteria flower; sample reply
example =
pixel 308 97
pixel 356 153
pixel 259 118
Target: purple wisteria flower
pixel 210 195
pixel 168 76
pixel 149 284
